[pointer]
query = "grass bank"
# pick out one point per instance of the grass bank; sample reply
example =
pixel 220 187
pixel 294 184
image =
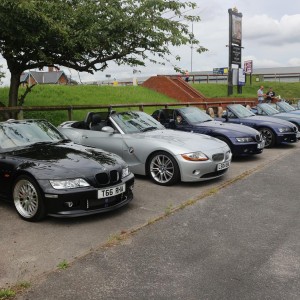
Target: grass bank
pixel 51 95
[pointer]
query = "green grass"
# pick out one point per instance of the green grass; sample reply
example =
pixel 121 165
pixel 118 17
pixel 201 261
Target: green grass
pixel 53 95
pixel 6 294
pixel 63 265
pixel 288 91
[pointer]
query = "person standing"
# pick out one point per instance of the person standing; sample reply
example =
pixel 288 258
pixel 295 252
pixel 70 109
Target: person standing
pixel 187 76
pixel 270 95
pixel 260 94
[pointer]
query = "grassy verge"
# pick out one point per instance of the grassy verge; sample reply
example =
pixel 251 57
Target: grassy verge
pixel 51 95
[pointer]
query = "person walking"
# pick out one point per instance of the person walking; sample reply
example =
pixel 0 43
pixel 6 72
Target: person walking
pixel 260 94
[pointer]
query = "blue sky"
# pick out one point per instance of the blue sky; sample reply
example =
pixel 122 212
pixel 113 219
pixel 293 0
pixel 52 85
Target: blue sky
pixel 271 38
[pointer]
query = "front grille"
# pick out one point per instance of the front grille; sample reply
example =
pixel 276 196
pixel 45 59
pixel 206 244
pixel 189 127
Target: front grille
pixel 258 137
pixel 108 178
pixel 114 176
pixel 218 157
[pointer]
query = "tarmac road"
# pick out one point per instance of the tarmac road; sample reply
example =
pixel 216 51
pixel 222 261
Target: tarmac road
pixel 220 239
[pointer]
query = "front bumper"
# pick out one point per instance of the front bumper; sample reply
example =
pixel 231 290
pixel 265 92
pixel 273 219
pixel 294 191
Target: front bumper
pixel 288 137
pixel 85 201
pixel 200 171
pixel 240 149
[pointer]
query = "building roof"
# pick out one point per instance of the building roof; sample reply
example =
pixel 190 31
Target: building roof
pixel 43 77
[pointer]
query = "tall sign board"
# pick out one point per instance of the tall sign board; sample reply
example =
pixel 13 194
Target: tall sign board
pixel 235 46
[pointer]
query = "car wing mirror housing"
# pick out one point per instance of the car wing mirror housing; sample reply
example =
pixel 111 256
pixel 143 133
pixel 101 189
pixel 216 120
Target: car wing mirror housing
pixel 108 129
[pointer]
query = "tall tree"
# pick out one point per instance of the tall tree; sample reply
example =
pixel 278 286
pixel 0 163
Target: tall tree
pixel 2 75
pixel 86 34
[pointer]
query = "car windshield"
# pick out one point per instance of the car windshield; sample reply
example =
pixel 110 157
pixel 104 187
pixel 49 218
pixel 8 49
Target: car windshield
pixel 135 122
pixel 22 133
pixel 240 111
pixel 285 106
pixel 267 109
pixel 195 115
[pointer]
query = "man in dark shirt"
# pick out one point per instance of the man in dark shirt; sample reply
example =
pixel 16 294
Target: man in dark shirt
pixel 270 95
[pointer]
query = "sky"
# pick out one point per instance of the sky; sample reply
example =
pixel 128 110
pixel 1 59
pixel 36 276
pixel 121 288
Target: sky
pixel 270 37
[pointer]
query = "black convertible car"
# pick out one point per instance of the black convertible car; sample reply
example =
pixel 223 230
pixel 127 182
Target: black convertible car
pixel 43 173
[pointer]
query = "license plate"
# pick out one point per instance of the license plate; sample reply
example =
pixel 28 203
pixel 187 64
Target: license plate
pixel 113 191
pixel 261 145
pixel 223 166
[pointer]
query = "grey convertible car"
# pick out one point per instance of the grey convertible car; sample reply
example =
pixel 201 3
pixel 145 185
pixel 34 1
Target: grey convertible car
pixel 165 155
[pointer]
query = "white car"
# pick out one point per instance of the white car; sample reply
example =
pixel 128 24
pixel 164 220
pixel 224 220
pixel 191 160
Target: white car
pixel 165 155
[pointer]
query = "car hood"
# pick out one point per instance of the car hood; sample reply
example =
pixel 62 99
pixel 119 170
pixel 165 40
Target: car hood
pixel 181 142
pixel 232 130
pixel 287 115
pixel 64 160
pixel 270 120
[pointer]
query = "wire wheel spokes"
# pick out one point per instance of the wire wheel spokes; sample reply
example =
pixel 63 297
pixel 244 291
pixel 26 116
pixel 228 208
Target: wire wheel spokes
pixel 26 198
pixel 162 168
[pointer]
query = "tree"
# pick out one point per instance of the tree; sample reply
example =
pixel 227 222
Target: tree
pixel 2 75
pixel 86 34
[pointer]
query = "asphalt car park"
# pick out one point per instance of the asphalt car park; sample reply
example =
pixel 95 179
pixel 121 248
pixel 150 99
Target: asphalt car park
pixel 31 249
pixel 239 243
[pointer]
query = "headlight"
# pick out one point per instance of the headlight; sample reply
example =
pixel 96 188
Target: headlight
pixel 284 129
pixel 195 156
pixel 68 184
pixel 125 172
pixel 245 139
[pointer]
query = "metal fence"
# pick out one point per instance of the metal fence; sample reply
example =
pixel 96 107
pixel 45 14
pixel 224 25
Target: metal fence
pixel 19 110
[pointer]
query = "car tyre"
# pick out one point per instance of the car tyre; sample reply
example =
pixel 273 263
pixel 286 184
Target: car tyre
pixel 163 168
pixel 269 137
pixel 28 200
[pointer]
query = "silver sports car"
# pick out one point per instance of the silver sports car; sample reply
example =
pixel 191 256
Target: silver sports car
pixel 165 155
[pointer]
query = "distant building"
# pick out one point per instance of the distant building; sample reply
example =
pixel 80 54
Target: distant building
pixel 52 76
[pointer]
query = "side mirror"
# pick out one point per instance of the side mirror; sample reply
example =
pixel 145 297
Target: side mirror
pixel 108 129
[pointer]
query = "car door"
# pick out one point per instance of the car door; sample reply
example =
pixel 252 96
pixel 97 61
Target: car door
pixel 112 142
pixel 180 122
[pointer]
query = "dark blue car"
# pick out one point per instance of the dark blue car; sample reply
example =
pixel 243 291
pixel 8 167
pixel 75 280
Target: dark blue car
pixel 283 106
pixel 242 140
pixel 265 109
pixel 274 131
